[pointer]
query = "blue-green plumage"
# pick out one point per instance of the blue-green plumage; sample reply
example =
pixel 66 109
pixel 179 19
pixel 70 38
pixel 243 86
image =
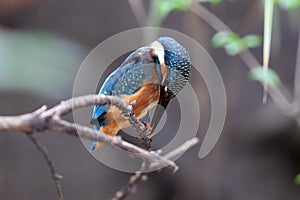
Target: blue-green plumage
pixel 144 66
pixel 127 79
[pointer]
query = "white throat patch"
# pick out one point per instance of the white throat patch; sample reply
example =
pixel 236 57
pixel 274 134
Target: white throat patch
pixel 159 51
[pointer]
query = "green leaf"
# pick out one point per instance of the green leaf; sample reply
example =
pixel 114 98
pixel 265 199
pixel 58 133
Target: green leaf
pixel 180 4
pixel 235 47
pixel 297 179
pixel 267 76
pixel 232 42
pixel 252 40
pixel 160 9
pixel 164 7
pixel 289 5
pixel 210 1
pixel 223 38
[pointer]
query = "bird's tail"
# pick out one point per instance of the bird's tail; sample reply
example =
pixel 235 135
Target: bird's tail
pixel 95 146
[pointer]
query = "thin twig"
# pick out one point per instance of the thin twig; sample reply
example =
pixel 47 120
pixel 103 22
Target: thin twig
pixel 130 186
pixel 182 148
pixel 55 176
pixel 280 100
pixel 268 22
pixel 297 77
pixel 178 151
pixel 139 11
pixel 62 126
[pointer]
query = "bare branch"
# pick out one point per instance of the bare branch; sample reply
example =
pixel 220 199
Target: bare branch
pixel 114 141
pixel 178 151
pixel 38 119
pixel 130 186
pixel 43 119
pixel 297 77
pixel 22 123
pixel 55 176
pixel 50 119
pixel 67 106
pixel 139 11
pixel 182 148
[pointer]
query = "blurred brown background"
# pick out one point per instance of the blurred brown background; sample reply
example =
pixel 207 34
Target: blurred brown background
pixel 42 44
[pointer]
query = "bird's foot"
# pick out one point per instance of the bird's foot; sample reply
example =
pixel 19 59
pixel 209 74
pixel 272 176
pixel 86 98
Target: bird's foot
pixel 148 126
pixel 131 105
pixel 149 129
pixel 147 141
pixel 130 112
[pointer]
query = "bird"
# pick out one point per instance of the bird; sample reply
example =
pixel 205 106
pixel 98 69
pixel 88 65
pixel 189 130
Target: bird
pixel 151 75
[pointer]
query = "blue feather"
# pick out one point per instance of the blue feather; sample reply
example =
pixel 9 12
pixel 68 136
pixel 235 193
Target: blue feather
pixel 138 69
pixel 110 87
pixel 93 146
pixel 116 84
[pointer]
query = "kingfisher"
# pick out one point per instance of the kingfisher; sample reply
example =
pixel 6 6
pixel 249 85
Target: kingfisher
pixel 151 75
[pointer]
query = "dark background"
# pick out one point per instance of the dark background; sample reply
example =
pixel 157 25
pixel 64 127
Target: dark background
pixel 42 44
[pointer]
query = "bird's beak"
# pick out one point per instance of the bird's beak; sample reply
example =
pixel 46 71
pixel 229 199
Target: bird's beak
pixel 163 101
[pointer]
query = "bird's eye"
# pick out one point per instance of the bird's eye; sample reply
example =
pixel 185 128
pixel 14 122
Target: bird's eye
pixel 155 59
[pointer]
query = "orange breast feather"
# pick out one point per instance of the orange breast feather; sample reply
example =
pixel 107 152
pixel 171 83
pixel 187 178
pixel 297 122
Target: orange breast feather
pixel 146 97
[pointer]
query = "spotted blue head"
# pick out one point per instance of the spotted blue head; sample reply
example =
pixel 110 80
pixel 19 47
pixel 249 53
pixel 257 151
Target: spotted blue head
pixel 178 63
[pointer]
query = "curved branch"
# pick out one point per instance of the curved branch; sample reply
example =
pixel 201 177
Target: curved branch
pixel 50 119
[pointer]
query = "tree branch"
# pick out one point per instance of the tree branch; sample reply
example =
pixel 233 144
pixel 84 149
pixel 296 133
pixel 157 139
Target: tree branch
pixel 139 11
pixel 22 123
pixel 55 176
pixel 297 78
pixel 50 119
pixel 130 186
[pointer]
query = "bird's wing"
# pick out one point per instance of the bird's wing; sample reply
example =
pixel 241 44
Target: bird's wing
pixel 135 71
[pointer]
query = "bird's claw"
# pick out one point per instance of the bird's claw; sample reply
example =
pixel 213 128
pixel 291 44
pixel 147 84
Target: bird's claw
pixel 149 129
pixel 130 106
pixel 148 126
